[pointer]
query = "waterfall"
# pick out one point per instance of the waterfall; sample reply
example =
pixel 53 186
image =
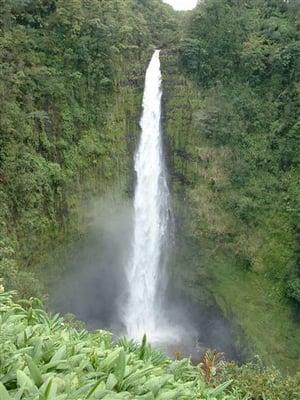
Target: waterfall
pixel 151 215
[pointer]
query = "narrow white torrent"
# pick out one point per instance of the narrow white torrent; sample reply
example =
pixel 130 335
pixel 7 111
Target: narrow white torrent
pixel 151 215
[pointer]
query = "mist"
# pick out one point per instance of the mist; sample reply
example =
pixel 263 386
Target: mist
pixel 93 283
pixel 93 287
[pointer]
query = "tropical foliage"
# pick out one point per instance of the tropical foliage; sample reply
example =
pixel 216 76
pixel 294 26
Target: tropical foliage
pixel 232 116
pixel 250 73
pixel 44 358
pixel 71 76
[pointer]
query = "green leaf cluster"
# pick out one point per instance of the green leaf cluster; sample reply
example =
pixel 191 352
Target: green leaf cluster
pixel 44 358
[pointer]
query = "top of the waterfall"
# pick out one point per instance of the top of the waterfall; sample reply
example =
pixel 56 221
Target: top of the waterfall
pixel 182 5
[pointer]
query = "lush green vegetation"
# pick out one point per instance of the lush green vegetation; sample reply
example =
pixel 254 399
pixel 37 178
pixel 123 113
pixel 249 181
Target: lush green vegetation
pixel 250 74
pixel 44 358
pixel 71 77
pixel 233 123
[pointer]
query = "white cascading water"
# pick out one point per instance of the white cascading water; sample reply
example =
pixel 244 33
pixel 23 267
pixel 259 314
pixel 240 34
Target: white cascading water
pixel 151 216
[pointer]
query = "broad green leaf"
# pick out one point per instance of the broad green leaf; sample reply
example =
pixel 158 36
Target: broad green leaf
pixel 120 367
pixel 34 371
pixel 94 388
pixel 24 381
pixel 4 395
pixel 220 389
pixel 156 383
pixel 51 389
pixel 135 377
pixel 142 351
pixel 111 381
pixel 59 355
pixel 37 351
pixel 111 359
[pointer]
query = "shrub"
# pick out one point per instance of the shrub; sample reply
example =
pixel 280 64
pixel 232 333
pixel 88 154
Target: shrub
pixel 259 383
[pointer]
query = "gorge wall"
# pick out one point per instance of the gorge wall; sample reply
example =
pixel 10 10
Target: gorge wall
pixel 219 259
pixel 71 88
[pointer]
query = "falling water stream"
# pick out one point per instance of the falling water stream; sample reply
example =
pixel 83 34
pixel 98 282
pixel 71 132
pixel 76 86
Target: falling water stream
pixel 171 321
pixel 145 270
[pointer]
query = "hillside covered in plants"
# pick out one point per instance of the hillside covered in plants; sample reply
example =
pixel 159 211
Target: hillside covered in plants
pixel 71 84
pixel 233 89
pixel 72 75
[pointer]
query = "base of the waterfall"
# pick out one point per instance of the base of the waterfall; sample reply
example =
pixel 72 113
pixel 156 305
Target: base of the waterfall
pixel 177 344
pixel 180 349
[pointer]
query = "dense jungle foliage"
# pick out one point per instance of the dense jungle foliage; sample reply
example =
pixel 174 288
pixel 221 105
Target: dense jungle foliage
pixel 239 107
pixel 43 357
pixel 249 72
pixel 71 80
pixel 71 77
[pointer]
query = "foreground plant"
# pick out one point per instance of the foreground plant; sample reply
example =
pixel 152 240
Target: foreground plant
pixel 210 363
pixel 44 358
